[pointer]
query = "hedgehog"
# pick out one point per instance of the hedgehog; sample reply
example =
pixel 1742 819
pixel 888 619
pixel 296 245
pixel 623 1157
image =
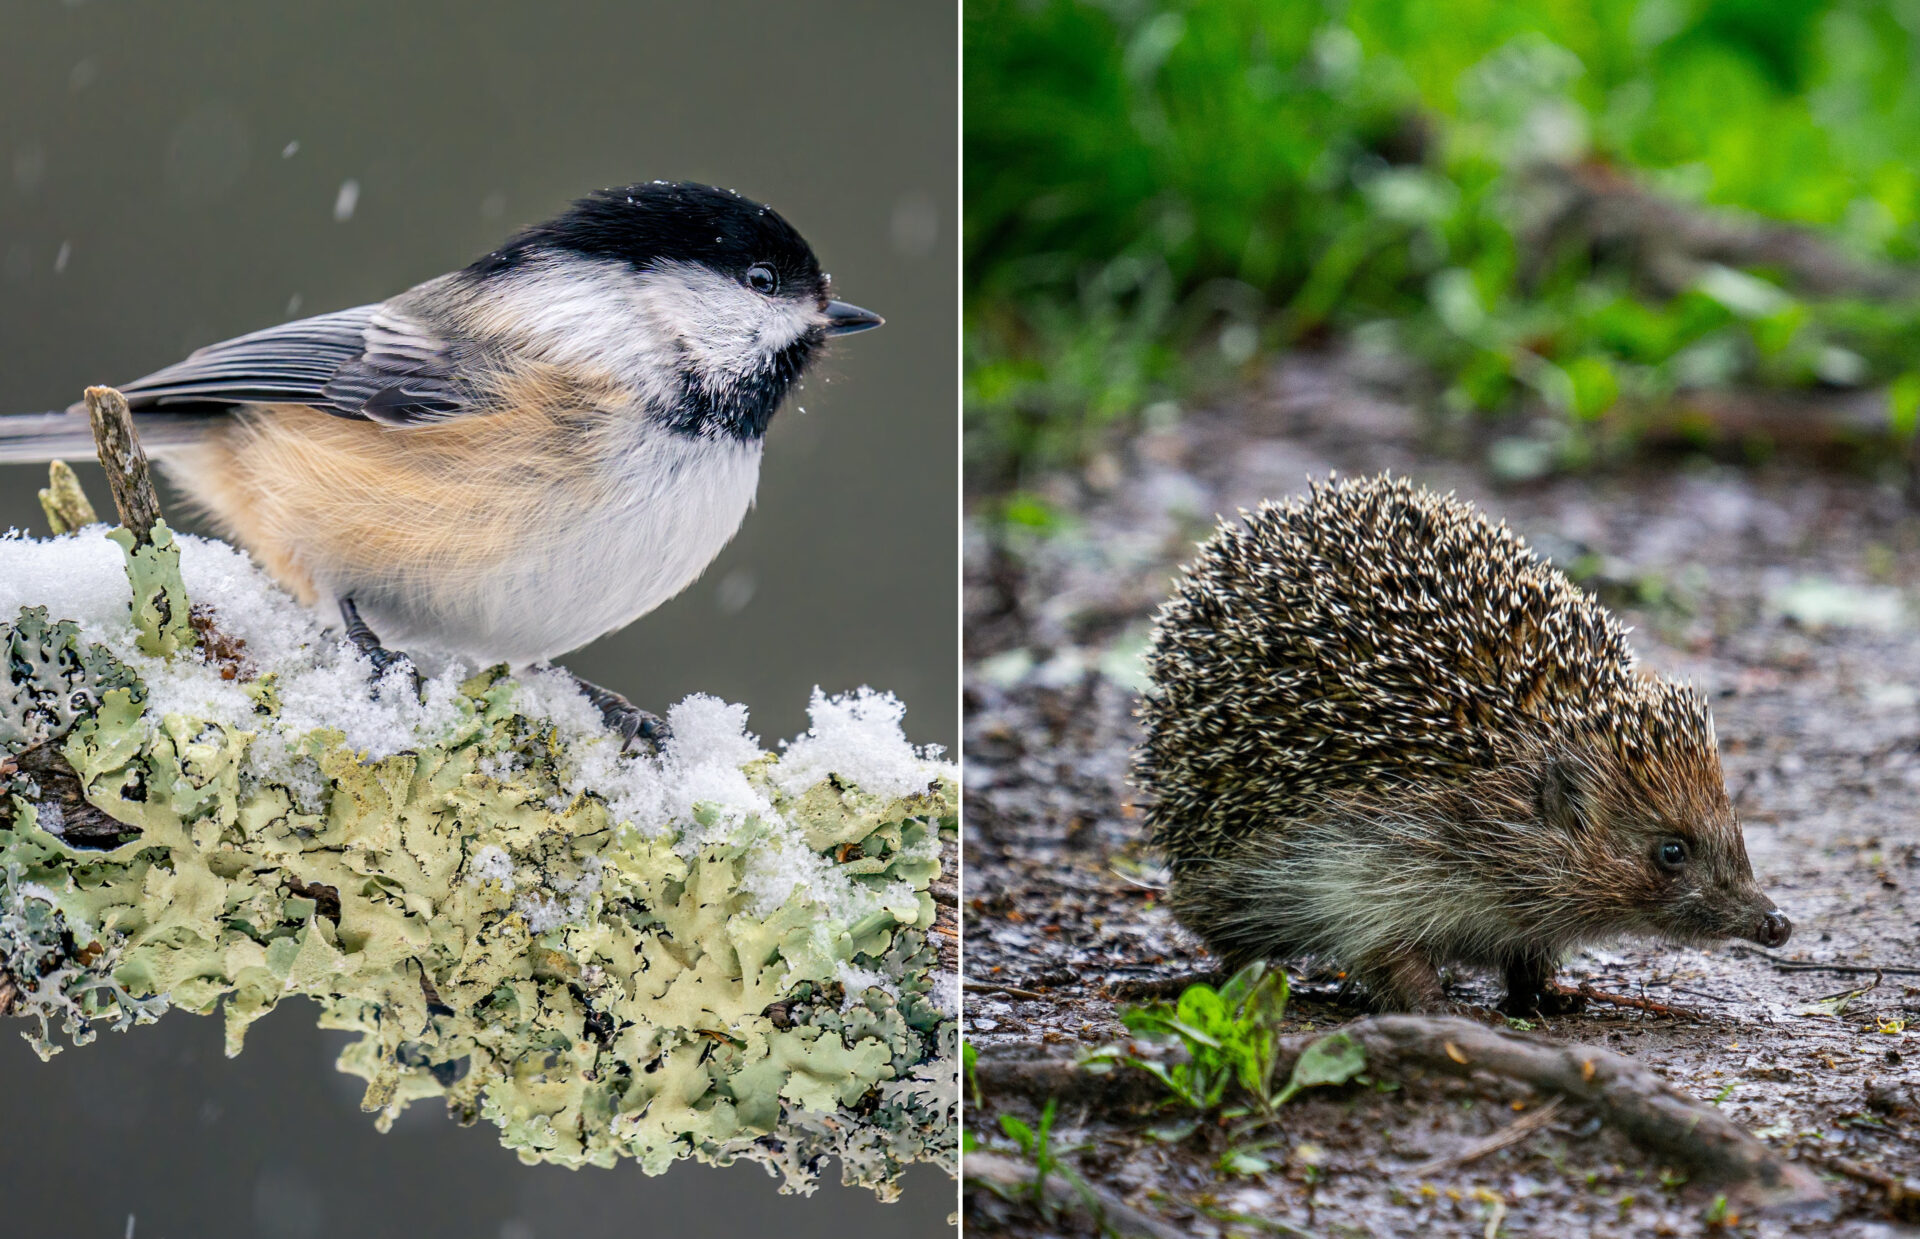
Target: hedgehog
pixel 1382 734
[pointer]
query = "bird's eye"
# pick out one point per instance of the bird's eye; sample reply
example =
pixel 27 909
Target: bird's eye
pixel 761 279
pixel 1672 854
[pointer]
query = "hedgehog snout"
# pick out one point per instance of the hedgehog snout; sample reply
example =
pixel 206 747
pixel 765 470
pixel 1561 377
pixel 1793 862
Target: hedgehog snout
pixel 1755 918
pixel 1774 929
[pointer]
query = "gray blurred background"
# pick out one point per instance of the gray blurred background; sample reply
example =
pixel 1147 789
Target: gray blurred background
pixel 175 173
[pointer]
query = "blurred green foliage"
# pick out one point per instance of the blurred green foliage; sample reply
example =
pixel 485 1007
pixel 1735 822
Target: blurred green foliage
pixel 1159 190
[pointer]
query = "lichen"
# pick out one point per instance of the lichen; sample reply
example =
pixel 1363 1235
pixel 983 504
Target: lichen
pixel 749 976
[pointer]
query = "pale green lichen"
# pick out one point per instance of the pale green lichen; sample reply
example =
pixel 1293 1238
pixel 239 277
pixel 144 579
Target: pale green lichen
pixel 159 596
pixel 495 932
pixel 64 502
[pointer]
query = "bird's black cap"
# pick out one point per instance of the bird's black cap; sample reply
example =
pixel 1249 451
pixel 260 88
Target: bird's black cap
pixel 672 221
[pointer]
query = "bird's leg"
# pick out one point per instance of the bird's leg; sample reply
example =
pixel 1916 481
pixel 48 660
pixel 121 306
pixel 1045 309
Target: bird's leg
pixel 623 716
pixel 367 643
pixel 1531 990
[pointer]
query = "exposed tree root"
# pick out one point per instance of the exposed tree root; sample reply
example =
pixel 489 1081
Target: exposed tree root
pixel 1115 1216
pixel 1626 1095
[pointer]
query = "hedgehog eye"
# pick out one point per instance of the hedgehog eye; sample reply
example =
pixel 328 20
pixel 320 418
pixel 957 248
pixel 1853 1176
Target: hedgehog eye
pixel 761 279
pixel 1671 854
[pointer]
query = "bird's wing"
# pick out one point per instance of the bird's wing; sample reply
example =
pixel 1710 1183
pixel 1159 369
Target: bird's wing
pixel 373 362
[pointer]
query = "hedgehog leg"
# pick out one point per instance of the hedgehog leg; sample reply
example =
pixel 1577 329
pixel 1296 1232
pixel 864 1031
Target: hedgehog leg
pixel 1404 978
pixel 1531 989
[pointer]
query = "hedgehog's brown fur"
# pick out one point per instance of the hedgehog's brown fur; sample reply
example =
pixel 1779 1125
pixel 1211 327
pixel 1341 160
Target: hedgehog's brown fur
pixel 1384 733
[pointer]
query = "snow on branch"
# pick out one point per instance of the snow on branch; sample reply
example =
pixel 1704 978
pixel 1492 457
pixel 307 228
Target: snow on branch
pixel 715 952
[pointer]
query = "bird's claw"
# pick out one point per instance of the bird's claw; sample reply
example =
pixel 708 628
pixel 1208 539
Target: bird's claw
pixel 629 720
pixel 382 658
pixel 635 724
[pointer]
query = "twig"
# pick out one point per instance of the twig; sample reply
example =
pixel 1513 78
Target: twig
pixel 1903 1195
pixel 1585 990
pixel 8 992
pixel 84 824
pixel 1850 994
pixel 129 475
pixel 1512 1133
pixel 990 987
pixel 1796 965
pixel 1006 1175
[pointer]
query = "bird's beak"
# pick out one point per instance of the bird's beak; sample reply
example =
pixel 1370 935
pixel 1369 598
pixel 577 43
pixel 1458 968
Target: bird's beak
pixel 844 319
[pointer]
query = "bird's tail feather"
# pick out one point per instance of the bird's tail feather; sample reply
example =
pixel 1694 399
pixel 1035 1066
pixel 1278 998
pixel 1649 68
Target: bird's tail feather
pixel 28 437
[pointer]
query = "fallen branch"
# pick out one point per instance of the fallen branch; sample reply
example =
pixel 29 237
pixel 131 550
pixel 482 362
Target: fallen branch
pixel 1009 1177
pixel 1628 1096
pixel 1039 1077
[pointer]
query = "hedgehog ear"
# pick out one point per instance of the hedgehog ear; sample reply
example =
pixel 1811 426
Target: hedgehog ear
pixel 1560 797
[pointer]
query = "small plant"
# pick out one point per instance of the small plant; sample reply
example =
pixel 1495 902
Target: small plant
pixel 1036 1145
pixel 1230 1036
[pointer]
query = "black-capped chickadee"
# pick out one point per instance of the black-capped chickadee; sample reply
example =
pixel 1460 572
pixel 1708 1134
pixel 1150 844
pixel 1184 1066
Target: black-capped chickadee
pixel 511 460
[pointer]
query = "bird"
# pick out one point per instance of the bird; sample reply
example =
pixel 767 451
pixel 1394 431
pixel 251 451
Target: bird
pixel 508 461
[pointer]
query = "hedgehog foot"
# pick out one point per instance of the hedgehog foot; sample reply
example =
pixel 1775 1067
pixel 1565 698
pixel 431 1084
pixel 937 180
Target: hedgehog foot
pixel 1405 979
pixel 1531 990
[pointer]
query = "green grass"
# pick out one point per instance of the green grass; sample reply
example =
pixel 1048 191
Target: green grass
pixel 1158 193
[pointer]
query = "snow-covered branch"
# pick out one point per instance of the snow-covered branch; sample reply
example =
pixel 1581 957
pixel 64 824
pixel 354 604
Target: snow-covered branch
pixel 715 952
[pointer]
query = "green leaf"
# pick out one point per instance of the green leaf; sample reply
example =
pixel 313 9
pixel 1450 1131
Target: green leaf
pixel 1903 403
pixel 1191 1033
pixel 1239 1161
pixel 1330 1060
pixel 1174 1133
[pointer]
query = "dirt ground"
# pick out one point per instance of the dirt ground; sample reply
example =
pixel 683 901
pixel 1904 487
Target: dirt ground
pixel 1789 592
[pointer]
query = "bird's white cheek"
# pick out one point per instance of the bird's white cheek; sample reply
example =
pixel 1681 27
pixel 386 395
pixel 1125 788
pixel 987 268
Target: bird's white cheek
pixel 724 328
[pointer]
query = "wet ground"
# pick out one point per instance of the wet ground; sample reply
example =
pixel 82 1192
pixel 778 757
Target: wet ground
pixel 1790 593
